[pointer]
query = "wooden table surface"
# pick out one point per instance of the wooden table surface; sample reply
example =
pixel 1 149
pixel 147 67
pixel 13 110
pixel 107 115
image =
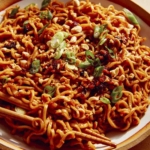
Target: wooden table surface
pixel 145 144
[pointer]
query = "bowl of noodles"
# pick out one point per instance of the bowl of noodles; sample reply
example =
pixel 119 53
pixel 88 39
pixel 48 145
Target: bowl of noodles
pixel 73 74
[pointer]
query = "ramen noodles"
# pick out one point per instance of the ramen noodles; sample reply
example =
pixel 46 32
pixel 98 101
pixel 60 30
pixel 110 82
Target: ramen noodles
pixel 71 72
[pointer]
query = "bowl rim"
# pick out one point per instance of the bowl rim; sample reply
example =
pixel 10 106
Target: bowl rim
pixel 145 131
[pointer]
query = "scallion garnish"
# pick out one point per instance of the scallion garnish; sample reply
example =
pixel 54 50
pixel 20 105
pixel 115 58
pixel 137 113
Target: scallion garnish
pixel 61 35
pixel 35 66
pixel 46 15
pixel 65 34
pixel 98 30
pixel 98 71
pixel 58 42
pixel 103 38
pixel 97 62
pixel 42 29
pixel 111 52
pixel 60 50
pixel 101 33
pixel 4 80
pixel 89 56
pixel 36 63
pixel 58 38
pixel 62 45
pixel 102 28
pixel 33 70
pixel 105 100
pixel 28 6
pixel 116 94
pixel 45 3
pixel 26 26
pixel 25 22
pixel 13 12
pixel 84 64
pixel 89 60
pixel 50 90
pixel 92 61
pixel 131 18
pixel 54 43
pixel 70 56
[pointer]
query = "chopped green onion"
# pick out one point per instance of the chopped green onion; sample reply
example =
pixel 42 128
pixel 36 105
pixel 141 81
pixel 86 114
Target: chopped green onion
pixel 4 80
pixel 111 52
pixel 25 22
pixel 103 38
pixel 36 63
pixel 71 57
pixel 97 62
pixel 89 56
pixel 50 90
pixel 98 30
pixel 66 34
pixel 70 67
pixel 13 12
pixel 60 50
pixel 130 16
pixel 62 45
pixel 102 28
pixel 35 66
pixel 46 15
pixel 58 38
pixel 98 71
pixel 54 43
pixel 20 110
pixel 33 70
pixel 116 94
pixel 58 42
pixel 28 6
pixel 105 100
pixel 61 35
pixel 89 53
pixel 90 60
pixel 84 64
pixel 45 3
pixel 42 29
pixel 101 33
pixel 26 26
